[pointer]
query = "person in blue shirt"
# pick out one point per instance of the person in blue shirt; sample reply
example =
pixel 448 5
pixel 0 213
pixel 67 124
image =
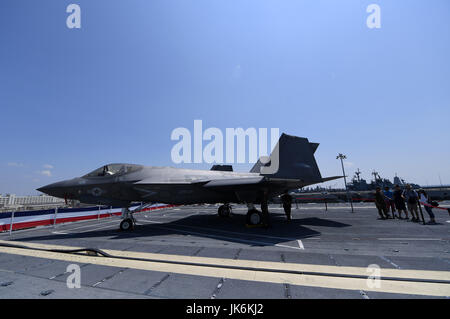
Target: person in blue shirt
pixel 389 199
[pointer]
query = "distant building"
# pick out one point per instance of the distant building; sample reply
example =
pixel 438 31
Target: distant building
pixel 11 200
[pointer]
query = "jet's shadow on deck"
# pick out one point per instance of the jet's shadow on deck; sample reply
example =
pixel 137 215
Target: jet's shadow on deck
pixel 206 225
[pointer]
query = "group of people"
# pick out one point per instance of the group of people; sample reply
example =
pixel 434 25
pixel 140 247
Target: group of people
pixel 402 201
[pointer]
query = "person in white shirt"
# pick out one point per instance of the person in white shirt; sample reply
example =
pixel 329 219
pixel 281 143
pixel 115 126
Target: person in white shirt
pixel 425 200
pixel 412 197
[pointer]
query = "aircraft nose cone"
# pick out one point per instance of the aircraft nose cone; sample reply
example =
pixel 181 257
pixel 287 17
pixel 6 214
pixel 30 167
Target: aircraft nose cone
pixel 42 189
pixel 49 189
pixel 57 189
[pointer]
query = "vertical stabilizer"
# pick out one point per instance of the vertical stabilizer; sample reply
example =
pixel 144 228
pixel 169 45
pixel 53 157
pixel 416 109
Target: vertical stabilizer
pixel 292 158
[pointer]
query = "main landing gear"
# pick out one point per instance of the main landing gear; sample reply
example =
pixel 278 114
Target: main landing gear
pixel 256 218
pixel 225 210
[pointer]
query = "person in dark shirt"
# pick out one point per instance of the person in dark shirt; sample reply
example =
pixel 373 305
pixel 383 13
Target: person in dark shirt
pixel 399 201
pixel 287 202
pixel 265 209
pixel 380 203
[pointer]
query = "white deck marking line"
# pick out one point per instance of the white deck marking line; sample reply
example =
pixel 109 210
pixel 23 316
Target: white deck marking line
pixel 286 246
pixel 5 270
pixel 300 244
pixel 418 239
pixel 97 222
pixel 6 233
pixel 239 233
pixel 172 216
pixel 92 229
pixel 77 222
pixel 335 207
pixel 390 261
pixel 50 227
pixel 227 238
pixel 360 271
pixel 259 275
pixel 148 222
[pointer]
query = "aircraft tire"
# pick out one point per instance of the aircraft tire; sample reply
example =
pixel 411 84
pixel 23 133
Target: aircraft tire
pixel 254 217
pixel 224 211
pixel 126 224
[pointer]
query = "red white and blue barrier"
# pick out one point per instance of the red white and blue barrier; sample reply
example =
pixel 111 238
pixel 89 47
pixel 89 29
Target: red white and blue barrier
pixel 29 219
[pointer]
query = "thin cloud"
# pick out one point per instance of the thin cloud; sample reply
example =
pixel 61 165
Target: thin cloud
pixel 14 164
pixel 48 166
pixel 45 173
pixel 349 164
pixel 237 72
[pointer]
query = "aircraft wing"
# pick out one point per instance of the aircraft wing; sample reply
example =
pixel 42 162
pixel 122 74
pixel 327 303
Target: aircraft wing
pixel 247 181
pixel 234 181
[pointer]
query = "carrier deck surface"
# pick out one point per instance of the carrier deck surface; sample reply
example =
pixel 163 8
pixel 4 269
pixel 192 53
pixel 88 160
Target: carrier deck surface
pixel 319 254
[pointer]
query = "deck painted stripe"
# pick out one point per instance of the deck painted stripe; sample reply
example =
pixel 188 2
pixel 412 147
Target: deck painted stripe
pixel 237 233
pixel 415 239
pixel 220 237
pixel 359 271
pixel 402 287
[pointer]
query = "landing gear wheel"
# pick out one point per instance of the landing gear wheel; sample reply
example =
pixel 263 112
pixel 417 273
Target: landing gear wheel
pixel 126 224
pixel 224 210
pixel 254 217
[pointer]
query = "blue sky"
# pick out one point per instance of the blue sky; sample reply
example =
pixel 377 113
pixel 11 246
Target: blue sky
pixel 113 91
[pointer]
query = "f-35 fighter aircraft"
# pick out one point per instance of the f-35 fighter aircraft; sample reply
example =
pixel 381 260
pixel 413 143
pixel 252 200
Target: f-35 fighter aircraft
pixel 291 165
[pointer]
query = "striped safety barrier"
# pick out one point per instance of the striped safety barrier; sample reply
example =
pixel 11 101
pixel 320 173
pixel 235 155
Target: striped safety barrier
pixel 29 219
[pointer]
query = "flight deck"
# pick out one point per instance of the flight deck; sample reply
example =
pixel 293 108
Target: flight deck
pixel 191 252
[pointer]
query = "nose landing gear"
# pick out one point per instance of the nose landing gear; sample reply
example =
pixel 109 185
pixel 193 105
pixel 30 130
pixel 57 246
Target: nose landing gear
pixel 127 224
pixel 128 220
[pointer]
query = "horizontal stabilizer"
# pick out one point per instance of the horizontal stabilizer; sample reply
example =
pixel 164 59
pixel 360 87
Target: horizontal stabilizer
pixel 224 168
pixel 314 146
pixel 326 179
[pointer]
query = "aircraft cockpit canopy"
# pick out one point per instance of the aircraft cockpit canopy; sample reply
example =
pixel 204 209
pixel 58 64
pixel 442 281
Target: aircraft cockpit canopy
pixel 113 169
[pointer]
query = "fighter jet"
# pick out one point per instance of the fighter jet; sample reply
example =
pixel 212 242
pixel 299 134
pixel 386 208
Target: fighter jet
pixel 291 165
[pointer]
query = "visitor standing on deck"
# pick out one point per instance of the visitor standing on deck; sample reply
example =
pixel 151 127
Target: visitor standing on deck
pixel 399 201
pixel 381 204
pixel 426 202
pixel 412 200
pixel 389 199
